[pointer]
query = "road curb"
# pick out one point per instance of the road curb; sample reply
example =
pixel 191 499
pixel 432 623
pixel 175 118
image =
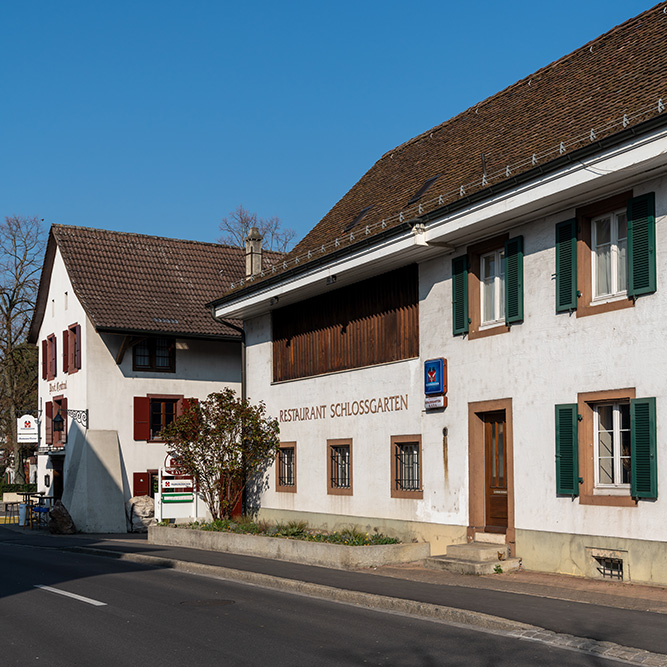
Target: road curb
pixel 450 615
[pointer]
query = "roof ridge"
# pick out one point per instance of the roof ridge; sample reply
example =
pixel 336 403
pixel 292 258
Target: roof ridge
pixel 517 84
pixel 63 227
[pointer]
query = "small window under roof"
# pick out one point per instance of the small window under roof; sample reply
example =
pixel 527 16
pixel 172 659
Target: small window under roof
pixel 357 220
pixel 427 184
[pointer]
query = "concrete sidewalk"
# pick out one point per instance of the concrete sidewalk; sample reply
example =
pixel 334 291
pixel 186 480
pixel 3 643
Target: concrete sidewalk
pixel 609 619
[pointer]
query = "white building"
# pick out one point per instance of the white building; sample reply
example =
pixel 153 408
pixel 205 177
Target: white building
pixel 523 242
pixel 124 337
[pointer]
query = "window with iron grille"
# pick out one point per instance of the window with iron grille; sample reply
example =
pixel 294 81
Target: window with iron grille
pixel 286 467
pixel 339 467
pixel 406 467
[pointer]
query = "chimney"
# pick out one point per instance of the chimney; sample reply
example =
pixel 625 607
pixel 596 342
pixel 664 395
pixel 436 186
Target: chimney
pixel 253 252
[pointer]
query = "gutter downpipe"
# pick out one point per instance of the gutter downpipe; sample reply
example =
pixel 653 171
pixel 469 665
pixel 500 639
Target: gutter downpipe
pixel 241 330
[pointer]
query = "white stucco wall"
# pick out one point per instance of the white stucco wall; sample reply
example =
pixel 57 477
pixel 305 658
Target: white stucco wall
pixel 546 360
pixel 107 390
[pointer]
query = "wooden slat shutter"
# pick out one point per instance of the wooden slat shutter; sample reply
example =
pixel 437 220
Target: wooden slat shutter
pixel 77 346
pixel 48 423
pixel 63 414
pixel 514 280
pixel 141 418
pixel 50 352
pixel 66 359
pixel 567 450
pixel 644 476
pixel 460 295
pixel 641 245
pixel 566 265
pixel 44 359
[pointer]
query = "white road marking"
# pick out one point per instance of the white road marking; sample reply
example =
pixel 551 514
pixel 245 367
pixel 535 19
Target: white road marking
pixel 96 603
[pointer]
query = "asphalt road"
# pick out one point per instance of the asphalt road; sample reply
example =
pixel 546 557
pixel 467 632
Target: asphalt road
pixel 134 615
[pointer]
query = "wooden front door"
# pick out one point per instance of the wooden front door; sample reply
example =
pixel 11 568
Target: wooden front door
pixel 496 463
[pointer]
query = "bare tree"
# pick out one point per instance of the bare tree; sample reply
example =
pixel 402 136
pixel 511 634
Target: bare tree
pixel 235 228
pixel 21 253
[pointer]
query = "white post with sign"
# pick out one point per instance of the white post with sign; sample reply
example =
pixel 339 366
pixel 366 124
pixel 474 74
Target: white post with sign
pixel 176 497
pixel 26 430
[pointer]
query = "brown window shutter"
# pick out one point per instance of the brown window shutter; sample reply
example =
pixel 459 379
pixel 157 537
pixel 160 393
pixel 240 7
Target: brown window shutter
pixel 48 437
pixel 49 359
pixel 63 414
pixel 44 362
pixel 77 346
pixel 141 418
pixel 66 364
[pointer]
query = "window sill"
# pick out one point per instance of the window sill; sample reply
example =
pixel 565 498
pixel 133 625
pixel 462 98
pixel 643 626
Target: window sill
pixel 286 489
pixel 488 330
pixel 339 491
pixel 619 491
pixel 400 493
pixel 604 306
pixel 608 500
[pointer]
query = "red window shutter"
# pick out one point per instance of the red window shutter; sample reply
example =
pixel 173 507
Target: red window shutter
pixel 77 346
pixel 141 482
pixel 48 436
pixel 44 362
pixel 63 414
pixel 49 358
pixel 141 418
pixel 66 364
pixel 184 404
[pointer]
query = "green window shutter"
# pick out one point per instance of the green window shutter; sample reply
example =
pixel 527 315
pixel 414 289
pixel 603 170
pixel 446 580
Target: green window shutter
pixel 566 266
pixel 567 450
pixel 460 294
pixel 643 448
pixel 514 280
pixel 641 245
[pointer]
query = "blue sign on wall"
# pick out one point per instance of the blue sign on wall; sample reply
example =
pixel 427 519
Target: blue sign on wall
pixel 434 376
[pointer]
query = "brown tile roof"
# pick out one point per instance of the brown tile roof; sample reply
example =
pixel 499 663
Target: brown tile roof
pixel 134 282
pixel 613 82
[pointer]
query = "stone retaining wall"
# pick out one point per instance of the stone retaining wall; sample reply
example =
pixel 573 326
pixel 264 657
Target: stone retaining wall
pixel 337 556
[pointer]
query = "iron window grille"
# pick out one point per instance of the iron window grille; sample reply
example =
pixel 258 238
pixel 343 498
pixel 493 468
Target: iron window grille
pixel 610 568
pixel 286 468
pixel 340 466
pixel 407 472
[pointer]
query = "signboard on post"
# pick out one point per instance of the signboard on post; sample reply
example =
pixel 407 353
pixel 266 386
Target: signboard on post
pixel 26 430
pixel 176 498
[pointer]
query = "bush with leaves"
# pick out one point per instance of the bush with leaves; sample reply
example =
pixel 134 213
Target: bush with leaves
pixel 222 443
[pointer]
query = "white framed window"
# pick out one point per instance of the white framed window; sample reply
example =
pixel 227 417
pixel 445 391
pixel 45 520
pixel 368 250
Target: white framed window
pixel 492 279
pixel 609 236
pixel 613 465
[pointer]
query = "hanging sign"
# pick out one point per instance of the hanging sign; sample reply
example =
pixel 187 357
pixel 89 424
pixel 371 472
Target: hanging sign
pixel 435 377
pixel 26 430
pixel 435 384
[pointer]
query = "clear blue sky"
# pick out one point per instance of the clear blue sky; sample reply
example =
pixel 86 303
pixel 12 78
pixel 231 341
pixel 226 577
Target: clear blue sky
pixel 161 116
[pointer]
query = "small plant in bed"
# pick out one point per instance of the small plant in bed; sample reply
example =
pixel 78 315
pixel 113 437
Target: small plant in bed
pixel 295 530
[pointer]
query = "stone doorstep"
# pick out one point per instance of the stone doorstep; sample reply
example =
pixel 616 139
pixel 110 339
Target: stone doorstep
pixel 466 566
pixel 490 538
pixel 478 551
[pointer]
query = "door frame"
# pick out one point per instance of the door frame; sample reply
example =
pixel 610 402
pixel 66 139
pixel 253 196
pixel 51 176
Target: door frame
pixel 477 467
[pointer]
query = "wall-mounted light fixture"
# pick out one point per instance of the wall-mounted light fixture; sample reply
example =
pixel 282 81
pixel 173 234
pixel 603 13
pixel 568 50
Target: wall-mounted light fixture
pixel 79 416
